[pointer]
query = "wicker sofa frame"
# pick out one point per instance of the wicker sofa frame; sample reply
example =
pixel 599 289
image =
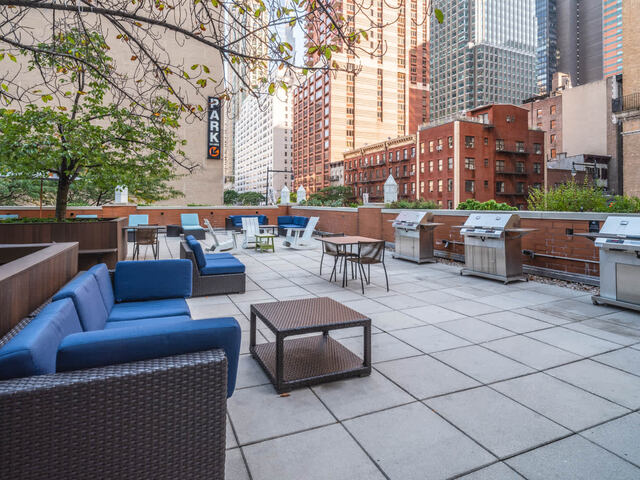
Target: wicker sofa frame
pixel 155 419
pixel 212 284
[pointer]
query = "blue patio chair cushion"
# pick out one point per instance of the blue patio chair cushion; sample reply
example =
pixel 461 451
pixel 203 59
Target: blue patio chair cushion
pixel 152 280
pixel 86 296
pixel 146 321
pixel 8 216
pixel 217 256
pixel 101 275
pixel 189 220
pixel 135 220
pixel 87 216
pixel 166 307
pixel 190 228
pixel 301 221
pixel 285 220
pixel 223 266
pixel 195 246
pixel 33 350
pixel 237 219
pixel 142 342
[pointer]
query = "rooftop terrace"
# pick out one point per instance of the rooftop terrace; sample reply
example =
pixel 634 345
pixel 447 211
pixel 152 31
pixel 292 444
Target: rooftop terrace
pixel 471 379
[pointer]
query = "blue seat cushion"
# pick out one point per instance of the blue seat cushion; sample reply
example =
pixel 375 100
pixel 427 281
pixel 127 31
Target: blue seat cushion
pixel 166 307
pixel 217 256
pixel 146 341
pixel 186 228
pixel 222 266
pixel 86 296
pixel 152 280
pixel 289 225
pixel 196 248
pixel 301 221
pixel 101 275
pixel 285 220
pixel 146 321
pixel 33 350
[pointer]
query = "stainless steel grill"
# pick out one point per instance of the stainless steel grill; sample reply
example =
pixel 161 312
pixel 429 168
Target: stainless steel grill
pixel 414 236
pixel 619 244
pixel 493 246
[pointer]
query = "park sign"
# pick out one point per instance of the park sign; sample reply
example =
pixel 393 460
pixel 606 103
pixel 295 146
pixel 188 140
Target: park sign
pixel 214 129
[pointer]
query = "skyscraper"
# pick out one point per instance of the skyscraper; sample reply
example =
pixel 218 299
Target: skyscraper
pixel 381 95
pixel 612 37
pixel 580 40
pixel 547 44
pixel 484 52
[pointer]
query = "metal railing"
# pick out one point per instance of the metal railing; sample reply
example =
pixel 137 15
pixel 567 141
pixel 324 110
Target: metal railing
pixel 631 102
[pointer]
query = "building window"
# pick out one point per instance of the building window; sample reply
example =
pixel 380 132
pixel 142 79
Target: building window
pixel 413 152
pixel 469 141
pixel 552 138
pixel 421 167
pixel 431 185
pixel 552 124
pixel 398 155
pixel 405 154
pixel 520 147
pixel 537 168
pixel 553 153
pixel 404 187
pixel 486 162
pixel 450 204
pixel 470 163
pixel 519 167
pixel 520 187
pixel 439 185
pixel 499 144
pixel 499 165
pixel 469 186
pixel 499 187
pixel 449 184
pixel 431 165
pixel 486 140
pixel 431 145
pixel 440 165
pixel 449 163
pixel 390 156
pixel 552 110
pixel 539 112
pixel 486 184
pixel 421 147
pixel 421 187
pixel 450 141
pixel 537 148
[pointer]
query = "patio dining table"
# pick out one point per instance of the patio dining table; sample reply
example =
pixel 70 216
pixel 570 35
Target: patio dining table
pixel 341 244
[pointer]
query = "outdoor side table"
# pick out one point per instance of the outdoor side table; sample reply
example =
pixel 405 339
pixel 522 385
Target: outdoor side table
pixel 174 230
pixel 309 360
pixel 264 242
pixel 273 228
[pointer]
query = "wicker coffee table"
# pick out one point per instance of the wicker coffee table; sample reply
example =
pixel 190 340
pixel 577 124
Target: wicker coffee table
pixel 309 360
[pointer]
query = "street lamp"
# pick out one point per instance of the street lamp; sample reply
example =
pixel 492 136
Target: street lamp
pixel 270 170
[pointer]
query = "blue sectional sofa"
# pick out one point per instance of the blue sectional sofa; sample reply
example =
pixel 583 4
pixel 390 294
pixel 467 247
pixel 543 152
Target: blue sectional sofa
pixel 288 221
pixel 94 322
pixel 234 222
pixel 213 273
pixel 113 379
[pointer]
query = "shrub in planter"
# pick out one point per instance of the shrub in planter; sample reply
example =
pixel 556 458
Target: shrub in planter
pixel 415 204
pixel 472 204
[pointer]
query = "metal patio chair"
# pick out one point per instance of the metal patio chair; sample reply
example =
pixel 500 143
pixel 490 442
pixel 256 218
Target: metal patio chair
pixel 369 253
pixel 146 236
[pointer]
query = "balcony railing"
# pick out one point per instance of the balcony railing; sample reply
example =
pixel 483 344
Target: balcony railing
pixel 511 148
pixel 631 102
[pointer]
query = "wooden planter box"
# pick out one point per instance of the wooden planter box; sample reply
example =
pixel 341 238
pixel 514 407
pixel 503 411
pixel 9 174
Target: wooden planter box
pixel 103 241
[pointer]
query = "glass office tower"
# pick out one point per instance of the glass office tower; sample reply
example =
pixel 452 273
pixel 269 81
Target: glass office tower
pixel 547 44
pixel 484 52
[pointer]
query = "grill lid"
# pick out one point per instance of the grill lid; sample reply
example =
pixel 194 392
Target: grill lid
pixel 412 219
pixel 622 227
pixel 492 221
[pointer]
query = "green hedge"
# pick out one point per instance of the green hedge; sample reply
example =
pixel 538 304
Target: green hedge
pixel 416 204
pixel 472 204
pixel 572 197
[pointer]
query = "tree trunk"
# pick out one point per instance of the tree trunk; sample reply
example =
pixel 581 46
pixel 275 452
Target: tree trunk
pixel 62 197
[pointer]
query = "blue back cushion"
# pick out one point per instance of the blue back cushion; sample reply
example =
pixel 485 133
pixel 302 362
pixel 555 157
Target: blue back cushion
pixel 86 296
pixel 197 250
pixel 301 221
pixel 101 275
pixel 284 220
pixel 152 280
pixel 189 219
pixel 262 219
pixel 135 220
pixel 152 340
pixel 33 350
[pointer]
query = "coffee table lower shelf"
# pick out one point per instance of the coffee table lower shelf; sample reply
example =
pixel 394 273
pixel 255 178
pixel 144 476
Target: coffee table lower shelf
pixel 309 361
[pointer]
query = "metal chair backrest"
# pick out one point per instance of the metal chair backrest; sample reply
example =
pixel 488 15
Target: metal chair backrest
pixel 371 252
pixel 146 234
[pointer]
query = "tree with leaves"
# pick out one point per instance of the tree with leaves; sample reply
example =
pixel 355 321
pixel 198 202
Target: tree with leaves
pixel 85 137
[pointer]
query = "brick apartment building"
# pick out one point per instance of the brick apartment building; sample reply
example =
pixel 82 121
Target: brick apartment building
pixel 489 153
pixel 382 95
pixel 366 169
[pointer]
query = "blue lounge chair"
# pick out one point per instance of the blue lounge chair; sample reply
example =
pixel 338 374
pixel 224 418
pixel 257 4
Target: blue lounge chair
pixel 134 221
pixel 191 225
